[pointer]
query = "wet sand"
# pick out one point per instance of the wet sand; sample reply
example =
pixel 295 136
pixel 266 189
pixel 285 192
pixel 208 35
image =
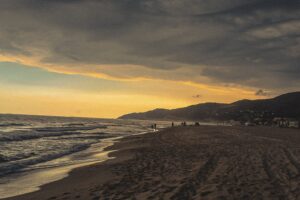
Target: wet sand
pixel 206 162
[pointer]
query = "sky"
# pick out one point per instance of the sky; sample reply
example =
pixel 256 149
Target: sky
pixel 105 58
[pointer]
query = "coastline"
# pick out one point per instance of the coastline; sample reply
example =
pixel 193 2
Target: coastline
pixel 105 152
pixel 28 182
pixel 118 152
pixel 206 162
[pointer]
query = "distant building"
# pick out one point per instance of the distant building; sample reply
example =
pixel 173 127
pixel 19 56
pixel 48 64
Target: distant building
pixel 294 124
pixel 286 122
pixel 234 123
pixel 249 124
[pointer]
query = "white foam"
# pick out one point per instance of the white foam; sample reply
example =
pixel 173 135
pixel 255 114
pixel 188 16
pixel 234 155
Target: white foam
pixel 30 181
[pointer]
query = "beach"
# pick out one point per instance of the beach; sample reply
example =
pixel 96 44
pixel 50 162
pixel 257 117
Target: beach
pixel 192 162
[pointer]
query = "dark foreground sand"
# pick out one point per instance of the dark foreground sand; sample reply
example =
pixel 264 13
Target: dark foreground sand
pixel 206 162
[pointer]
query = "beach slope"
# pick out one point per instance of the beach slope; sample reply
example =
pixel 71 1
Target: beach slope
pixel 205 162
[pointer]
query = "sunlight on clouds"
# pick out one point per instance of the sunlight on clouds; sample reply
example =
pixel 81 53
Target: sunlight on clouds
pixel 74 103
pixel 128 73
pixel 139 93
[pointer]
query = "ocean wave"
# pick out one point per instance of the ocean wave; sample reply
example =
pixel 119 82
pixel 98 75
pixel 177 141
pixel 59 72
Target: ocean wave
pixel 3 158
pixel 84 137
pixel 67 129
pixel 12 124
pixel 75 124
pixel 29 141
pixel 29 135
pixel 19 136
pixel 19 165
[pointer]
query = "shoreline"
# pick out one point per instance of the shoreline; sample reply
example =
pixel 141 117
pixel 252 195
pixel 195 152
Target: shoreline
pixel 205 162
pixel 116 153
pixel 40 177
pixel 62 172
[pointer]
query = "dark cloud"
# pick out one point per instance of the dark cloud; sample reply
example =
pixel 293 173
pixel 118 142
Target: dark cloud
pixel 197 96
pixel 261 93
pixel 247 42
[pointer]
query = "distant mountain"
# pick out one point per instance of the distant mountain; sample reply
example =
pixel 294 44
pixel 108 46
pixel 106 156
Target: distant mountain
pixel 286 105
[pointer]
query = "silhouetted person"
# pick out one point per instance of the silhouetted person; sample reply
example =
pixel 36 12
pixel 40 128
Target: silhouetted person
pixel 197 124
pixel 172 124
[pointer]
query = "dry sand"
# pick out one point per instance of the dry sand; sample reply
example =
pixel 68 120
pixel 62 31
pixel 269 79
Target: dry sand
pixel 206 162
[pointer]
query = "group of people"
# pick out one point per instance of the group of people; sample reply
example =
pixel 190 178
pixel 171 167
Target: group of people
pixel 184 124
pixel 154 126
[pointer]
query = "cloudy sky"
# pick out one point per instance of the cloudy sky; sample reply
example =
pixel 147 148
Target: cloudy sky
pixel 104 58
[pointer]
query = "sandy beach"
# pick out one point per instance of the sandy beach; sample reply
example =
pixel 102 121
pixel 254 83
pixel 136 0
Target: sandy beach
pixel 205 162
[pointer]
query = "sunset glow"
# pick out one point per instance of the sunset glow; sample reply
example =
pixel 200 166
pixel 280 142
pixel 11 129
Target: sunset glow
pixel 115 59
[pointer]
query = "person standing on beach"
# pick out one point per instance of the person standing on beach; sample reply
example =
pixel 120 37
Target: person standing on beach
pixel 153 126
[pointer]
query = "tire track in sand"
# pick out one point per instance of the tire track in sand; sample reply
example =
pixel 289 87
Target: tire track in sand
pixel 292 159
pixel 278 189
pixel 189 188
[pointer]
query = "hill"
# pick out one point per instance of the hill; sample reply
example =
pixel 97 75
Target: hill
pixel 286 105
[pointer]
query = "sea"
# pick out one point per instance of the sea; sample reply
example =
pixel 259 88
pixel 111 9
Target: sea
pixel 36 150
